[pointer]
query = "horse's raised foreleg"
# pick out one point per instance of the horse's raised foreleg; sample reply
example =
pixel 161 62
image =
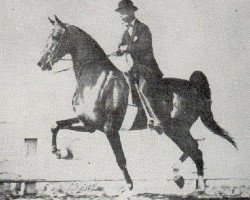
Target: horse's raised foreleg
pixel 67 124
pixel 60 125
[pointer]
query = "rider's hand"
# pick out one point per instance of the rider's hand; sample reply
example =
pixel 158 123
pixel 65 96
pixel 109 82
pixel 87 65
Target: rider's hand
pixel 123 48
pixel 119 53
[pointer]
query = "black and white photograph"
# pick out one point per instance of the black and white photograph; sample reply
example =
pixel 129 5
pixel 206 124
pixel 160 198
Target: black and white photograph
pixel 124 99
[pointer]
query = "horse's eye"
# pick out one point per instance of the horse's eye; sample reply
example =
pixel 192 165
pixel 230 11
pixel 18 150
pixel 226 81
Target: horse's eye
pixel 56 37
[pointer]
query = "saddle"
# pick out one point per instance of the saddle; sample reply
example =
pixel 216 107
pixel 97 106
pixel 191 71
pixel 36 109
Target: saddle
pixel 134 98
pixel 138 118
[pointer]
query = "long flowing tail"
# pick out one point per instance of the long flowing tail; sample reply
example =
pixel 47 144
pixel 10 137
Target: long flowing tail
pixel 199 79
pixel 208 120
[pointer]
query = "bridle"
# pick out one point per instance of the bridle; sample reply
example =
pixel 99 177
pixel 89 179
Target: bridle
pixel 85 63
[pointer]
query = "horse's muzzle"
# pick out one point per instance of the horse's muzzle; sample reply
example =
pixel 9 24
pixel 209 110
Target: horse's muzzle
pixel 45 66
pixel 39 63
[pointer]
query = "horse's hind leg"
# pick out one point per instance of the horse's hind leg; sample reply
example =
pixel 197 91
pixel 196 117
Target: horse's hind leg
pixel 190 147
pixel 178 178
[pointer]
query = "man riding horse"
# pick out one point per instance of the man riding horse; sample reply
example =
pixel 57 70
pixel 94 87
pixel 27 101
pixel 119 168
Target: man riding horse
pixel 145 72
pixel 101 98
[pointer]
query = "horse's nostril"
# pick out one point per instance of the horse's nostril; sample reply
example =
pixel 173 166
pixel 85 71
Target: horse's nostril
pixel 39 63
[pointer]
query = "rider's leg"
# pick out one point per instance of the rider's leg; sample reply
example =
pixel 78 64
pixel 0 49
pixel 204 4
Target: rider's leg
pixel 146 89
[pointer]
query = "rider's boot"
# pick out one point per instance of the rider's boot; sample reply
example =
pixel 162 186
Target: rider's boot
pixel 153 122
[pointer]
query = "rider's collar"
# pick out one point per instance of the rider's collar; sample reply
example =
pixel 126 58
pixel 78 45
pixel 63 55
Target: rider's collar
pixel 131 24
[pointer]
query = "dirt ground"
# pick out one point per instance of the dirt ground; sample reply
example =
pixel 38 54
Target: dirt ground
pixel 144 190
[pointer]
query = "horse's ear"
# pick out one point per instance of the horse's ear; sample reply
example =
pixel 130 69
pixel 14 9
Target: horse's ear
pixel 51 21
pixel 59 22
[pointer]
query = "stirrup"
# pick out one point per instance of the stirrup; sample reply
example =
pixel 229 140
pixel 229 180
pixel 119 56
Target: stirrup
pixel 151 124
pixel 157 127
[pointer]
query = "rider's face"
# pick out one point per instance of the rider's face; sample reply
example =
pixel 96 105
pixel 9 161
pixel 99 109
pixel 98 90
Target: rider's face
pixel 127 15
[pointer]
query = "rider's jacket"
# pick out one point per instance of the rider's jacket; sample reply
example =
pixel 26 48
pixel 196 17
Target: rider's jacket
pixel 141 49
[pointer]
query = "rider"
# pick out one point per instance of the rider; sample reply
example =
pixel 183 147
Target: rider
pixel 137 41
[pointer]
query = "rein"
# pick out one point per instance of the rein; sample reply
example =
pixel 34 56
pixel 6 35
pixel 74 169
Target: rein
pixel 90 61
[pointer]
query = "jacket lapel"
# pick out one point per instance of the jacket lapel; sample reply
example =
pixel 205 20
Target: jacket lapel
pixel 134 30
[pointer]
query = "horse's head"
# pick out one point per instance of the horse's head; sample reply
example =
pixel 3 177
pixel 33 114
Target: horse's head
pixel 56 46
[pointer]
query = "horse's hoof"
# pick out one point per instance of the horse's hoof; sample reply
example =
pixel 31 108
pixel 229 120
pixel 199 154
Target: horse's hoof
pixel 179 180
pixel 68 155
pixel 126 193
pixel 54 150
pixel 64 154
pixel 200 184
pixel 130 186
pixel 58 154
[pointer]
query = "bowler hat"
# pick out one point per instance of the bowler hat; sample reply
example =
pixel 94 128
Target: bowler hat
pixel 126 4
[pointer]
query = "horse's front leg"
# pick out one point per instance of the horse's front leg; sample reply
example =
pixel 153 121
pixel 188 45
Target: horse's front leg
pixel 60 125
pixel 69 124
pixel 115 142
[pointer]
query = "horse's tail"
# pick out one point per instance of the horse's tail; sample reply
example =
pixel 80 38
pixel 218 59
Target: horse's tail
pixel 199 79
pixel 208 120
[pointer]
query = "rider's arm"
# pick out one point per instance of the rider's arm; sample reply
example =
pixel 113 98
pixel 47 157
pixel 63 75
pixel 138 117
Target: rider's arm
pixel 124 42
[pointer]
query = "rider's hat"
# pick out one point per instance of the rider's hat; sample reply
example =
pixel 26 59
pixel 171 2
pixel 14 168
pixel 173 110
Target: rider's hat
pixel 126 4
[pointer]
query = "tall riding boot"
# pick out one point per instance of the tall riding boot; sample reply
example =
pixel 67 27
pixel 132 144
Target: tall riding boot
pixel 154 123
pixel 149 106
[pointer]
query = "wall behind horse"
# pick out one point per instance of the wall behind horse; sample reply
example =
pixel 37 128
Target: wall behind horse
pixel 187 36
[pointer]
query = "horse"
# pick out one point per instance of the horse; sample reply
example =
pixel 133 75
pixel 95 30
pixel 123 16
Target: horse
pixel 101 98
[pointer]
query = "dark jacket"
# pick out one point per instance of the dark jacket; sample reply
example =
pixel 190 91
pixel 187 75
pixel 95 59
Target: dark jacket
pixel 141 49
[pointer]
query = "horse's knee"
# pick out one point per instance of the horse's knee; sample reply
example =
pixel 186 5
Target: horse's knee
pixel 54 128
pixel 109 129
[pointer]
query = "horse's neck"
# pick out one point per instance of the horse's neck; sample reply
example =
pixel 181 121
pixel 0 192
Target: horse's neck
pixel 85 61
pixel 89 59
pixel 86 74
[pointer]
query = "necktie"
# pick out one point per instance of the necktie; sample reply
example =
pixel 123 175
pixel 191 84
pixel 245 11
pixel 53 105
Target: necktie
pixel 130 29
